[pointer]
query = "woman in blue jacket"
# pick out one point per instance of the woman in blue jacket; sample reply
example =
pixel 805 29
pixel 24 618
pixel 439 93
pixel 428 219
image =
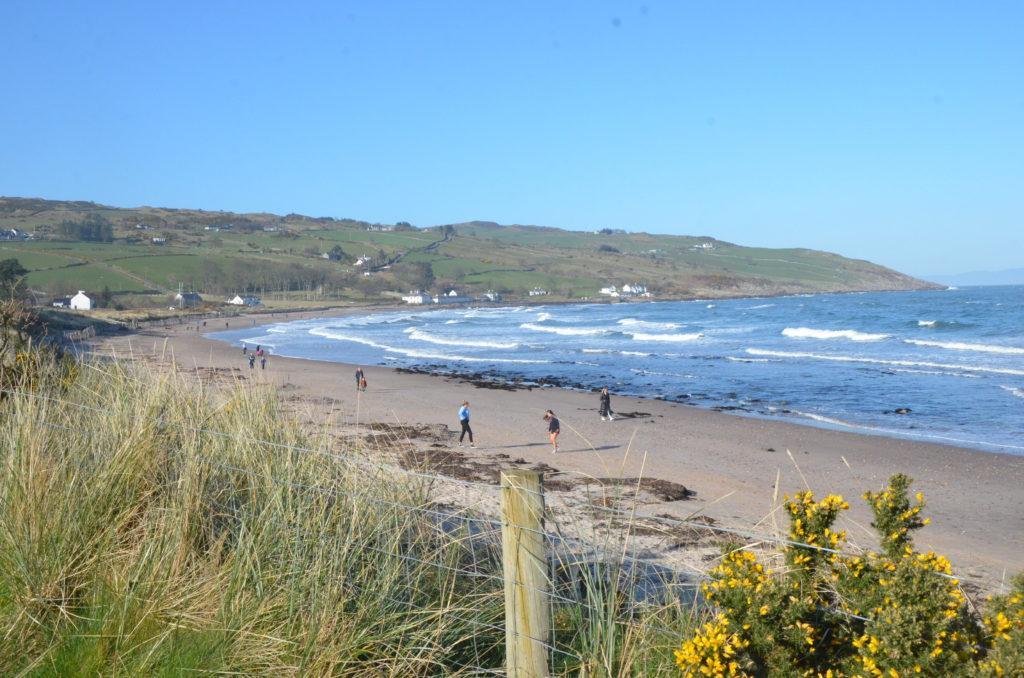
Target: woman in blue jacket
pixel 464 421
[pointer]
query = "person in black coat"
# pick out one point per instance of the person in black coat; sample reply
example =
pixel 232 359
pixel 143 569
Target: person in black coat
pixel 606 405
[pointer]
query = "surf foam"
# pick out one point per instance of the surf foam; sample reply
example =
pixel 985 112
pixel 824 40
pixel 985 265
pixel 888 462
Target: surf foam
pixel 565 331
pixel 811 333
pixel 420 335
pixel 962 346
pixel 879 361
pixel 642 336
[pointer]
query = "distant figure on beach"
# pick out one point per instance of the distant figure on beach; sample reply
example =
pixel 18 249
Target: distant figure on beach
pixel 263 362
pixel 464 422
pixel 226 324
pixel 360 380
pixel 245 349
pixel 554 428
pixel 252 360
pixel 259 351
pixel 606 405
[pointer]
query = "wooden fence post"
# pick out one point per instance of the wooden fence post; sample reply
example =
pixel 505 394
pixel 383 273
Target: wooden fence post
pixel 524 558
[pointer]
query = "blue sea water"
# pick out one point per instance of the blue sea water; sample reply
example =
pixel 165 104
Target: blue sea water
pixel 953 358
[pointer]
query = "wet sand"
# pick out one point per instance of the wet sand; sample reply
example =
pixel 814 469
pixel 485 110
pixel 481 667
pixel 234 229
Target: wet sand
pixel 731 462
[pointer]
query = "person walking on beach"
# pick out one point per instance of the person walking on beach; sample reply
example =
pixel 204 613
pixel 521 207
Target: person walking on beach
pixel 263 362
pixel 252 360
pixel 464 422
pixel 360 379
pixel 245 349
pixel 554 428
pixel 606 405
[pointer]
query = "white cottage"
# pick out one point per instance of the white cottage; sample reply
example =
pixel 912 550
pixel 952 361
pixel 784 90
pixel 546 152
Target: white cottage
pixel 239 300
pixel 80 302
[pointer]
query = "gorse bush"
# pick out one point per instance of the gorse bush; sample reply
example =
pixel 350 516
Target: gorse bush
pixel 897 613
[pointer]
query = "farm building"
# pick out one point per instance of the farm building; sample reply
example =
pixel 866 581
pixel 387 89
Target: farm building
pixel 239 300
pixel 416 297
pixel 80 302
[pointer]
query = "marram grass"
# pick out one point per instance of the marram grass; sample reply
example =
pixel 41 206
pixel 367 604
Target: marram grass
pixel 152 526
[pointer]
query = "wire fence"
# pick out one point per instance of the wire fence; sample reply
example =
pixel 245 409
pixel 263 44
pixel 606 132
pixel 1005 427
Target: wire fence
pixel 609 569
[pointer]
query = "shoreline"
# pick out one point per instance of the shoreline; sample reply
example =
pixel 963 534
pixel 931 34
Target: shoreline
pixel 731 463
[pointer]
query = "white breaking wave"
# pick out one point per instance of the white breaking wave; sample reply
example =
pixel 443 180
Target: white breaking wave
pixel 566 331
pixel 412 353
pixel 452 322
pixel 747 360
pixel 960 346
pixel 641 336
pixel 810 333
pixel 420 335
pixel 754 308
pixel 926 323
pixel 878 361
pixel 597 350
pixel 647 325
pixel 1019 392
pixel 541 317
pixel 637 353
pixel 938 373
pixel 711 305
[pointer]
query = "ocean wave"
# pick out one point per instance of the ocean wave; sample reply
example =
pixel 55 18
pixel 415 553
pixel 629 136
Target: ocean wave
pixel 754 308
pixel 899 432
pixel 810 333
pixel 452 322
pixel 642 336
pixel 414 353
pixel 648 325
pixel 938 373
pixel 710 306
pixel 637 353
pixel 961 346
pixel 879 361
pixel 1013 390
pixel 596 350
pixel 541 317
pixel 566 331
pixel 747 360
pixel 926 323
pixel 420 335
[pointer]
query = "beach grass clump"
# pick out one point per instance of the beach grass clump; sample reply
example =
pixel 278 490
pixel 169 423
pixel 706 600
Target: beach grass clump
pixel 826 612
pixel 148 527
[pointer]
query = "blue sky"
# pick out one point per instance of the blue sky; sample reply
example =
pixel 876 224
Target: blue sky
pixel 888 131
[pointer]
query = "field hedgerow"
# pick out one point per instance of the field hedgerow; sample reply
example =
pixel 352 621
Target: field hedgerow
pixel 894 613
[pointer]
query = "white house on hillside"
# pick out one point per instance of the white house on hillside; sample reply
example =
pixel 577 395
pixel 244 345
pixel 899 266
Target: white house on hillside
pixel 538 292
pixel 610 291
pixel 239 300
pixel 80 302
pixel 452 297
pixel 416 297
pixel 363 261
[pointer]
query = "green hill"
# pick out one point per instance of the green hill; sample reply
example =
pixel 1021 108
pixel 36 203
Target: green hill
pixel 146 252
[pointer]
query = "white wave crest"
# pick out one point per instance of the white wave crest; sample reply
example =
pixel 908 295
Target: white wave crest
pixel 541 317
pixel 637 353
pixel 926 323
pixel 648 325
pixel 565 331
pixel 1013 390
pixel 747 360
pixel 754 308
pixel 413 353
pixel 879 361
pixel 810 333
pixel 596 350
pixel 689 336
pixel 452 322
pixel 960 346
pixel 420 335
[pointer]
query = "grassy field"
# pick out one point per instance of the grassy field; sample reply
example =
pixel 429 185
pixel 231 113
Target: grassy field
pixel 476 256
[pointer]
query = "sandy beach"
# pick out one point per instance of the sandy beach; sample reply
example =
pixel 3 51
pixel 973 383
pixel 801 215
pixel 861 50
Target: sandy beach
pixel 730 462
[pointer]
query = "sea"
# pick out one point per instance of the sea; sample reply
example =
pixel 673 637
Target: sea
pixel 942 366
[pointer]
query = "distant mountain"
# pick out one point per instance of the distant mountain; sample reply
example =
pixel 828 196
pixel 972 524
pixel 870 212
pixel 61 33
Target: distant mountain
pixel 1008 276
